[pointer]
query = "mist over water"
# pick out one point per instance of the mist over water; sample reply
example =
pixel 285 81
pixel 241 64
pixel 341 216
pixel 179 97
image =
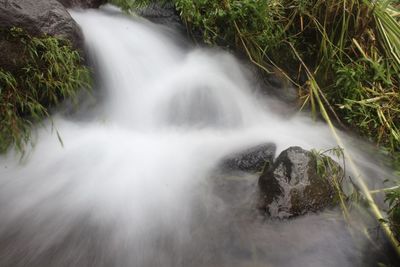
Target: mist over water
pixel 134 185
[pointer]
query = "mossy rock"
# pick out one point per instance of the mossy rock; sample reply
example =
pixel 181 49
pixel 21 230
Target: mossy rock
pixel 295 184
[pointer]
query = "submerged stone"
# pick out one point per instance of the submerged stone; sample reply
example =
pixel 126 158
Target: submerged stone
pixel 254 159
pixel 297 183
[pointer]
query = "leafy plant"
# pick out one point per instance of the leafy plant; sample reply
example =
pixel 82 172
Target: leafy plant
pixel 330 170
pixel 48 70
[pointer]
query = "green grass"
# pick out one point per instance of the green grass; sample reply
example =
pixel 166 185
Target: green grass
pixel 46 71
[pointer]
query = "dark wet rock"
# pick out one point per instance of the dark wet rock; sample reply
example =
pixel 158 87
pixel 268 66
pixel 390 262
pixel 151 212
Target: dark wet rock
pixel 293 186
pixel 82 3
pixel 40 17
pixel 163 13
pixel 253 159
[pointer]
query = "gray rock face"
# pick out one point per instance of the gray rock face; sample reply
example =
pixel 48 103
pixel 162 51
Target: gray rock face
pixel 293 186
pixel 82 3
pixel 39 17
pixel 254 159
pixel 163 13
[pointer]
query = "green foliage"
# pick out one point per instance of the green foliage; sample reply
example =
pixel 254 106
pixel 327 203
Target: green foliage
pixel 48 70
pixel 330 170
pixel 355 75
pixel 326 165
pixel 370 99
pixel 218 20
pixel 253 27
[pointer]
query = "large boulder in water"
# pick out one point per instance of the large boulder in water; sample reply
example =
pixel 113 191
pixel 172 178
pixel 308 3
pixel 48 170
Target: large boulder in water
pixel 40 17
pixel 82 3
pixel 254 159
pixel 295 184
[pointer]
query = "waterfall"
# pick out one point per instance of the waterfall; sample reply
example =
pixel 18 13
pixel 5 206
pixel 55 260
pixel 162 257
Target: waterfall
pixel 131 184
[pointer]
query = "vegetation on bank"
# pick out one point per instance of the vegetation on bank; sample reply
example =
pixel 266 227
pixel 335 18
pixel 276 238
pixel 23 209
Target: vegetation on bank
pixel 39 73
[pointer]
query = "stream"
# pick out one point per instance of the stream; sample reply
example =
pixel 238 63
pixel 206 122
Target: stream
pixel 131 179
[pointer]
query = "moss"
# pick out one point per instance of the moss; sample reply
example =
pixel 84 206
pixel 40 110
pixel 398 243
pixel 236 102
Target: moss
pixel 36 74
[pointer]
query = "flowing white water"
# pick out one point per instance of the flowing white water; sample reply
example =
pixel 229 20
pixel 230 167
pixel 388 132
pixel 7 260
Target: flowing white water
pixel 131 186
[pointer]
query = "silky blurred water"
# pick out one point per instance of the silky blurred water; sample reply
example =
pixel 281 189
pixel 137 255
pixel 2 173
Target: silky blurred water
pixel 134 184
